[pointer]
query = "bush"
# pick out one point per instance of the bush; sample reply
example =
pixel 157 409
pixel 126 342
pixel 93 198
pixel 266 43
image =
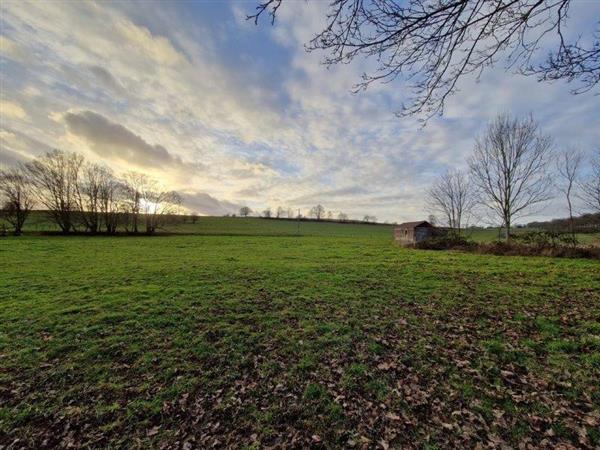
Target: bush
pixel 545 239
pixel 446 242
pixel 514 248
pixel 534 243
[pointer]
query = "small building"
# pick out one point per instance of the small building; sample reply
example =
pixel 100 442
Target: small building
pixel 409 233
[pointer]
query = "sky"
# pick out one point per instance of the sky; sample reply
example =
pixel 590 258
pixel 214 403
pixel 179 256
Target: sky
pixel 231 114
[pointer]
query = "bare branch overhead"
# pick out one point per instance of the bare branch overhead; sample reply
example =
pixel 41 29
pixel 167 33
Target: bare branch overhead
pixel 435 43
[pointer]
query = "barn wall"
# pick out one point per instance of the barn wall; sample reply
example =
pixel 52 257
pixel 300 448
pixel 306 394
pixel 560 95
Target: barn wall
pixel 412 235
pixel 401 236
pixel 422 233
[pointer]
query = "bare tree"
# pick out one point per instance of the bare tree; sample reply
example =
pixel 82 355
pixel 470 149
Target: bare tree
pixel 245 211
pixel 590 187
pixel 55 178
pixel 342 217
pixel 110 194
pixel 317 211
pixel 135 184
pixel 158 205
pixel 435 43
pixel 369 219
pixel 567 166
pixel 267 213
pixel 280 212
pixel 509 166
pixel 88 194
pixel 17 194
pixel 452 196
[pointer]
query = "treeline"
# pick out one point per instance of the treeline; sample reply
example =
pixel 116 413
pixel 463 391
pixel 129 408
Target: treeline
pixel 81 196
pixel 586 223
pixel 317 212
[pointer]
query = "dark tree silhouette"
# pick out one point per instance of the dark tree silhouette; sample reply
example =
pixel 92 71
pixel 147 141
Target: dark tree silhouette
pixel 55 177
pixel 17 201
pixel 434 43
pixel 317 212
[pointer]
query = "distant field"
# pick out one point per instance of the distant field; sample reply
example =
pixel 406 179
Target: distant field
pixel 260 227
pixel 335 339
pixel 254 226
pixel 251 226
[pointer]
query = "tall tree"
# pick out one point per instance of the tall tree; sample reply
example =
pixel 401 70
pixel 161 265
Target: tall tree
pixel 452 196
pixel 435 43
pixel 17 197
pixel 590 187
pixel 135 184
pixel 245 211
pixel 510 167
pixel 567 166
pixel 110 195
pixel 55 177
pixel 158 205
pixel 317 211
pixel 88 194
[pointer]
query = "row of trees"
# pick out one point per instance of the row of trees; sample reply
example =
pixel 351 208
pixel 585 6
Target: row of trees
pixel 511 174
pixel 317 212
pixel 80 195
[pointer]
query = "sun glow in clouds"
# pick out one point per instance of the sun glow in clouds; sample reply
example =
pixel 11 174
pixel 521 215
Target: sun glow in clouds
pixel 231 114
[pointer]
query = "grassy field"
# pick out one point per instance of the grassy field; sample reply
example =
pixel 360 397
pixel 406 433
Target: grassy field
pixel 337 338
pixel 253 226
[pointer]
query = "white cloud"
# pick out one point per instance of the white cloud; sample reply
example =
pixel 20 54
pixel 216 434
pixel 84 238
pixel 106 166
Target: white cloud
pixel 148 87
pixel 11 109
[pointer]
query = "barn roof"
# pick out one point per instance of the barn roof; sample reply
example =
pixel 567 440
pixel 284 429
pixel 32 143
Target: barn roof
pixel 421 223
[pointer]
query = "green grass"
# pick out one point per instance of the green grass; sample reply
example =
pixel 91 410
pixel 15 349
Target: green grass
pixel 489 235
pixel 332 338
pixel 242 226
pixel 253 226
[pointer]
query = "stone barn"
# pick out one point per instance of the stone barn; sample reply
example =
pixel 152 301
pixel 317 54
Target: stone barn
pixel 409 233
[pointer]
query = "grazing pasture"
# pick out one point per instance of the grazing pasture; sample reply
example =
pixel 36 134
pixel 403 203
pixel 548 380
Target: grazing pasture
pixel 259 338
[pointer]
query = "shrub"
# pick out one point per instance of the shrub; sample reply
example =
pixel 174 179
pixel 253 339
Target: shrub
pixel 514 248
pixel 545 239
pixel 533 243
pixel 446 242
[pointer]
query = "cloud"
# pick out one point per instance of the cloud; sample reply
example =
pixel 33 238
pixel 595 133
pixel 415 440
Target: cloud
pixel 206 204
pixel 10 158
pixel 158 48
pixel 107 79
pixel 162 87
pixel 12 109
pixel 21 144
pixel 338 196
pixel 112 140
